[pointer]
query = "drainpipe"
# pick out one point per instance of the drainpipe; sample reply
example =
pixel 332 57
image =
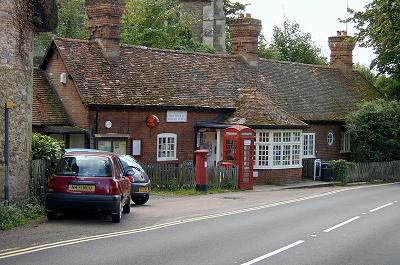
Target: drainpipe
pixel 9 105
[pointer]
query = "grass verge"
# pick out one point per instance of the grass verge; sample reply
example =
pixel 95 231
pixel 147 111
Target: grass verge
pixel 19 213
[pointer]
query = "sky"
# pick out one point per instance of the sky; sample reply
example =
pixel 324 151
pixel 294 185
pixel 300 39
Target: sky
pixel 320 18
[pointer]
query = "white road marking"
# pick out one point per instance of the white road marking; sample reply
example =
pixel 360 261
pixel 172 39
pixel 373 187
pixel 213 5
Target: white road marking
pixel 395 201
pixel 273 253
pixel 380 207
pixel 341 224
pixel 22 251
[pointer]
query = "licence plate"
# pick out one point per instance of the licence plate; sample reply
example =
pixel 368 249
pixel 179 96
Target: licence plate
pixel 75 187
pixel 144 189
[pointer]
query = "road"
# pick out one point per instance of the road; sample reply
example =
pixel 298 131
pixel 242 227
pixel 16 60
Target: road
pixel 338 226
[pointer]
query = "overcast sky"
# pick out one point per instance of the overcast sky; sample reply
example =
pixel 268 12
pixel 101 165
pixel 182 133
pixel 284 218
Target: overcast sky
pixel 318 17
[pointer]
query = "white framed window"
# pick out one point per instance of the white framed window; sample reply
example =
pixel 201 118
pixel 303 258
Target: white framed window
pixel 308 145
pixel 330 138
pixel 345 143
pixel 166 146
pixel 277 149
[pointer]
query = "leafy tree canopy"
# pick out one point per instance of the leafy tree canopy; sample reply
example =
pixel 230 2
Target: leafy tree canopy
pixel 157 23
pixel 232 9
pixel 375 131
pixel 379 28
pixel 289 43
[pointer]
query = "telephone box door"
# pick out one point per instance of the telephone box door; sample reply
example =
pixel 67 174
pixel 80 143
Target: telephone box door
pixel 239 148
pixel 246 181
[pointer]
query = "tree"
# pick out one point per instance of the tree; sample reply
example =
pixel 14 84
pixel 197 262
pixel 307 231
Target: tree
pixel 366 72
pixel 158 23
pixel 379 28
pixel 296 46
pixel 375 131
pixel 72 24
pixel 232 9
pixel 266 51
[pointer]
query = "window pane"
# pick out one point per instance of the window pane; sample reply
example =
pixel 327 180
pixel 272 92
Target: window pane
pixel 286 155
pixel 295 154
pixel 296 137
pixel 277 137
pixel 286 137
pixel 104 145
pixel 262 151
pixel 277 155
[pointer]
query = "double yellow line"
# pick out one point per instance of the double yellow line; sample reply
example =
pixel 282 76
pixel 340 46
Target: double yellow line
pixel 28 250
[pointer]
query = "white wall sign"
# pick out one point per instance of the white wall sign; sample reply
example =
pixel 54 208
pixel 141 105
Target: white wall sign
pixel 136 147
pixel 176 116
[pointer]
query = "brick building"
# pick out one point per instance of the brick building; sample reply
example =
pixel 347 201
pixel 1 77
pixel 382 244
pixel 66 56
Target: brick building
pixel 297 110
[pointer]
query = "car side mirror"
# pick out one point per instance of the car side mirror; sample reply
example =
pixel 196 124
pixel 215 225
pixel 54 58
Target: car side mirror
pixel 130 174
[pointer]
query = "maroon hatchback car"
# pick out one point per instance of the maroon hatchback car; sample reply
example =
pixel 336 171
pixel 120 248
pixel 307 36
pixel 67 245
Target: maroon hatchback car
pixel 89 181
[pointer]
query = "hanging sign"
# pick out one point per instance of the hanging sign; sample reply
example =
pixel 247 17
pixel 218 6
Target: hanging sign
pixel 152 121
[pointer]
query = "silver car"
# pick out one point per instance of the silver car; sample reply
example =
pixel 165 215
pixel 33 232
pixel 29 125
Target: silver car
pixel 140 181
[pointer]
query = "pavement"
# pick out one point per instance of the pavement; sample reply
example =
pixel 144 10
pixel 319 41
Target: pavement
pixel 303 184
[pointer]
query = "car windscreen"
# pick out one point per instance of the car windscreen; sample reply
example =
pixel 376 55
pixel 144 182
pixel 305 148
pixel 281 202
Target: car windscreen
pixel 84 166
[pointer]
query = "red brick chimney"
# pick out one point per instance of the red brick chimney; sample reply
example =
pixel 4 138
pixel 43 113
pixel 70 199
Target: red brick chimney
pixel 104 24
pixel 342 52
pixel 245 31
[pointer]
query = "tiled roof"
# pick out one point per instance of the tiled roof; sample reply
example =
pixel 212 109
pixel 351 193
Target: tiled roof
pixel 155 77
pixel 47 108
pixel 251 103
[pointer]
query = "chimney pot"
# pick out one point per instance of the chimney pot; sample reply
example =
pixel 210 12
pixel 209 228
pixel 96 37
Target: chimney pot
pixel 241 15
pixel 248 15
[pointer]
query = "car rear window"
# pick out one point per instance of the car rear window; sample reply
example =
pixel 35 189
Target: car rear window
pixel 129 162
pixel 85 166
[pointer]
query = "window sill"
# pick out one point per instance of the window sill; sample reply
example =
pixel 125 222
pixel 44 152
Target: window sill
pixel 279 167
pixel 166 159
pixel 309 157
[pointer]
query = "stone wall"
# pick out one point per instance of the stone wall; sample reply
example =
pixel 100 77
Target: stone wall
pixel 15 85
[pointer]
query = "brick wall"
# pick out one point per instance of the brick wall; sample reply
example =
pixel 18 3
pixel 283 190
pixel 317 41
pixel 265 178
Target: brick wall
pixel 323 150
pixel 133 122
pixel 278 176
pixel 68 93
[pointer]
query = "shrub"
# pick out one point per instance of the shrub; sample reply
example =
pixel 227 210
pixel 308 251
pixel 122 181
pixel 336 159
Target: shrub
pixel 375 131
pixel 45 147
pixel 339 170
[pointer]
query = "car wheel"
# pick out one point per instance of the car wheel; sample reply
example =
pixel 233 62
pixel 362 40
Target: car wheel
pixel 51 215
pixel 140 200
pixel 116 217
pixel 127 207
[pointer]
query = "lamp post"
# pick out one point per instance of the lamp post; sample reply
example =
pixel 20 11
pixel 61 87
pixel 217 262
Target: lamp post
pixel 8 106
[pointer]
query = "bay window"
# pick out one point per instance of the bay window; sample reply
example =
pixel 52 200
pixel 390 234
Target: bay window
pixel 277 149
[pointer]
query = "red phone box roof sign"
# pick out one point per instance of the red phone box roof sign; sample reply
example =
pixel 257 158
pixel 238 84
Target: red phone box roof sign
pixel 152 121
pixel 238 131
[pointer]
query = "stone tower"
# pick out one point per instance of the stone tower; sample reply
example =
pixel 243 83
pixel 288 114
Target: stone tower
pixel 210 26
pixel 17 25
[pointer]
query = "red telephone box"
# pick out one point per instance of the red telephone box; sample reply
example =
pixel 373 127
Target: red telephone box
pixel 239 148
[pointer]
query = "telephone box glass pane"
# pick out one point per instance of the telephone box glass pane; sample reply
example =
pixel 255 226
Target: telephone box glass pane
pixel 246 163
pixel 230 150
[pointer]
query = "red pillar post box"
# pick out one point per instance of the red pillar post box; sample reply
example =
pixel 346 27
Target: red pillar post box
pixel 201 170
